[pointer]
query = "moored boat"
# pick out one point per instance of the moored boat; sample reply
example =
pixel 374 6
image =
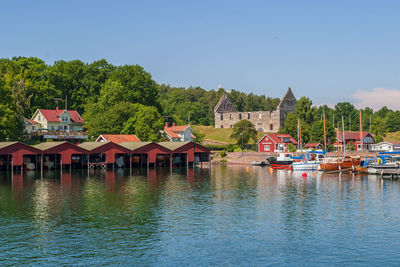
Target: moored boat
pixel 282 162
pixel 309 161
pixel 333 164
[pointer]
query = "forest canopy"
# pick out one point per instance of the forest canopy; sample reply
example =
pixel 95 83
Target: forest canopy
pixel 110 98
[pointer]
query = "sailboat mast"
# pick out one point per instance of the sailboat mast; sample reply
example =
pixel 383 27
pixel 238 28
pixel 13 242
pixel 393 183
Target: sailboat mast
pixel 301 147
pixel 324 131
pixel 298 134
pixel 337 141
pixel 361 135
pixel 344 140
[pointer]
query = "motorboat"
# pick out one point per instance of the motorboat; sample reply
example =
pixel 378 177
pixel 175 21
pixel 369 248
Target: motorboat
pixel 259 163
pixel 385 164
pixel 308 161
pixel 282 161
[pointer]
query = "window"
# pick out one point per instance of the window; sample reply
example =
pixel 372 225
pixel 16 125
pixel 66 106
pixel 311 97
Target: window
pixel 222 126
pixel 271 127
pixel 259 116
pixel 230 126
pixel 240 116
pixel 266 148
pixel 222 117
pixel 39 118
pixel 230 116
pixel 52 128
pixel 33 128
pixel 248 116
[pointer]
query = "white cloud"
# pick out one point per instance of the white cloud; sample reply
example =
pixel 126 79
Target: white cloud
pixel 377 98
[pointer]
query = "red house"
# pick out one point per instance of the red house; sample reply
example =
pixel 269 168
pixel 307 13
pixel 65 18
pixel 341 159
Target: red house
pixel 117 138
pixel 273 142
pixel 368 139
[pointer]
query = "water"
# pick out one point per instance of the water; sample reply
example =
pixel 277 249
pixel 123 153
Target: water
pixel 226 216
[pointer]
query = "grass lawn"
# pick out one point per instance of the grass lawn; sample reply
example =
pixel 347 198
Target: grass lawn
pixel 392 137
pixel 220 134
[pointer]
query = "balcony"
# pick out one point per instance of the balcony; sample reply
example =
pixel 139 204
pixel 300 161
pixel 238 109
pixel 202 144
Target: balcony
pixel 60 135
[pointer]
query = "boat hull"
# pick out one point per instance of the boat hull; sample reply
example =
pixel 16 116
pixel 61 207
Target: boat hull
pixel 340 165
pixel 279 166
pixel 308 166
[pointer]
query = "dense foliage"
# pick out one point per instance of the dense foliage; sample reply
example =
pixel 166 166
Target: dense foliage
pixel 243 131
pixel 111 99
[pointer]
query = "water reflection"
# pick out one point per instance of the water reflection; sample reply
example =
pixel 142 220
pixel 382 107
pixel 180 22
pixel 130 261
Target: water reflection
pixel 226 215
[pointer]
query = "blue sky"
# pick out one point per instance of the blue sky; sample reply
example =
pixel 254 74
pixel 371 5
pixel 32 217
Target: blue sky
pixel 329 50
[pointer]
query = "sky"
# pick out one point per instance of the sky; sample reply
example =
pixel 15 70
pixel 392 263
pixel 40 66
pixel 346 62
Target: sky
pixel 330 51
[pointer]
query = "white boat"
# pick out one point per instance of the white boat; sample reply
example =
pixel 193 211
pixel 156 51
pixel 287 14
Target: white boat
pixel 308 162
pixel 385 165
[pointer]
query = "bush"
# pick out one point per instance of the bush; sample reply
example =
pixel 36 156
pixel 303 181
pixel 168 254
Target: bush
pixel 223 154
pixel 231 148
pixel 350 146
pixel 216 147
pixel 224 161
pixel 291 148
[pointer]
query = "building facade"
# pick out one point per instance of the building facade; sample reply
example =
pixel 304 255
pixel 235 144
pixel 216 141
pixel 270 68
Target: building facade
pixel 176 133
pixel 226 115
pixel 275 142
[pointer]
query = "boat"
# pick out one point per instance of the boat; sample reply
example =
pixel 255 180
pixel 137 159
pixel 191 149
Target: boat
pixel 334 164
pixel 282 162
pixel 308 161
pixel 385 165
pixel 259 163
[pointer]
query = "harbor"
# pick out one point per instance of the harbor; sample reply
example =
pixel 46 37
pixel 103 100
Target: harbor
pixel 197 215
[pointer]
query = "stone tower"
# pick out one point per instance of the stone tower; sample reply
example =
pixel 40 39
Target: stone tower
pixel 287 105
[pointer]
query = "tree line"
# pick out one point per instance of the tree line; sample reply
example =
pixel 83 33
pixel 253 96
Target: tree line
pixel 111 99
pixel 311 121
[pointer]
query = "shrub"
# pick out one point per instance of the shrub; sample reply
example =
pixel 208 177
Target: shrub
pixel 216 147
pixel 223 154
pixel 291 148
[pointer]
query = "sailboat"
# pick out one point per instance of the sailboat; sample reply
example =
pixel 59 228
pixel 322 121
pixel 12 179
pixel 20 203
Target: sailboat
pixel 340 164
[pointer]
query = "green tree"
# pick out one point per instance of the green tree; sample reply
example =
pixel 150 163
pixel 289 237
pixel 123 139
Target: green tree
pixel 147 124
pixel 350 115
pixel 138 84
pixel 243 131
pixel 317 132
pixel 199 137
pixel 11 124
pixel 379 126
pixel 305 111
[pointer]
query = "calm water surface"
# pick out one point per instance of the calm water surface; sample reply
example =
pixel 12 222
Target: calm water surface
pixel 226 216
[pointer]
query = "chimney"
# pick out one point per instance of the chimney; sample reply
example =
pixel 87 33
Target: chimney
pixel 173 124
pixel 166 124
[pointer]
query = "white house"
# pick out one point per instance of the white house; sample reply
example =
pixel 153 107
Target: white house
pixel 58 120
pixel 178 133
pixel 385 147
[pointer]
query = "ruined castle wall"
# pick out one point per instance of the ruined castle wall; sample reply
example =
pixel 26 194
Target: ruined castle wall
pixel 263 120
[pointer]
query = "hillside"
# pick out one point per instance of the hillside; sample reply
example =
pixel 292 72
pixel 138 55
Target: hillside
pixel 392 137
pixel 218 135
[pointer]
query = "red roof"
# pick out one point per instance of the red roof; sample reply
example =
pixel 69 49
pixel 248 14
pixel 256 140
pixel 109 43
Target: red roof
pixel 119 138
pixel 53 115
pixel 174 130
pixel 313 144
pixel 354 135
pixel 277 138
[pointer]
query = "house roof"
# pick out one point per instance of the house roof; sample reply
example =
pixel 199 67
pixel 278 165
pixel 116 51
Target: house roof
pixel 33 122
pixel 6 144
pixel 353 135
pixel 119 138
pixel 277 138
pixel 52 115
pixel 92 145
pixel 313 144
pixel 134 145
pixel 47 145
pixel 173 145
pixel 173 130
